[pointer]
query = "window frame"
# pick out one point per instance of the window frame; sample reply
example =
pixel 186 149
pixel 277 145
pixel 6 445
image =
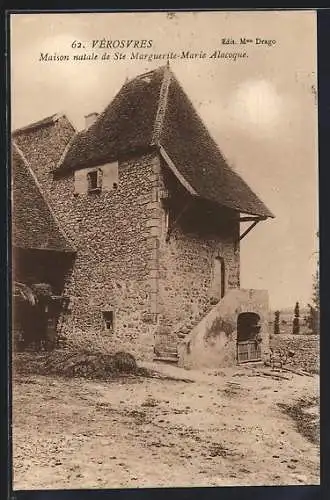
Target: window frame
pixel 98 181
pixel 108 329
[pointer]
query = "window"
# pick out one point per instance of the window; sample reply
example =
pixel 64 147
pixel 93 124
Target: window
pixel 167 219
pixel 94 179
pixel 108 321
pixel 219 277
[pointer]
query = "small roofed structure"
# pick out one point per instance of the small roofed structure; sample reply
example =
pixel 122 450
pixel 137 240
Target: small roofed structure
pixel 42 254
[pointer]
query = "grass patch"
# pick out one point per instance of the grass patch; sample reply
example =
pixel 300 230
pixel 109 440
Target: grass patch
pixel 308 424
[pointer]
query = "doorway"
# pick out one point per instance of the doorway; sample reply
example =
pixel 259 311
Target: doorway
pixel 34 318
pixel 248 338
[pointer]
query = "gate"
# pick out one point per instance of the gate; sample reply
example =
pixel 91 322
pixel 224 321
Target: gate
pixel 248 339
pixel 248 350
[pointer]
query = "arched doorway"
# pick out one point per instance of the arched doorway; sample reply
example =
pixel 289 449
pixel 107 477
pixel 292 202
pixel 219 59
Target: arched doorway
pixel 248 338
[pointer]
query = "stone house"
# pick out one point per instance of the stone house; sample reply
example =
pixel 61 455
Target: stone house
pixel 153 212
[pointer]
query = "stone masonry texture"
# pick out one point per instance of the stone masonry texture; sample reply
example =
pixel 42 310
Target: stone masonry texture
pixel 186 264
pixel 306 350
pixel 135 256
pixel 112 267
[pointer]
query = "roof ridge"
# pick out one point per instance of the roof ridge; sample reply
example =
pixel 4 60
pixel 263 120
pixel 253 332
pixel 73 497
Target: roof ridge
pixel 65 150
pixel 162 105
pixel 43 122
pixel 42 194
pixel 103 113
pixel 150 72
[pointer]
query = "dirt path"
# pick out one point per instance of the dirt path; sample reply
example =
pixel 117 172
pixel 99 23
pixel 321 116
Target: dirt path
pixel 222 428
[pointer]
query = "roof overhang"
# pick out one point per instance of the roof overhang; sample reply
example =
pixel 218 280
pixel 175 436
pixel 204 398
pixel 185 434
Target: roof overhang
pixel 254 221
pixel 68 251
pixel 176 172
pixel 254 218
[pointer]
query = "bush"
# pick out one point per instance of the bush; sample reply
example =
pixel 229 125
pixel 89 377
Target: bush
pixel 277 323
pixel 124 362
pixel 69 363
pixel 307 424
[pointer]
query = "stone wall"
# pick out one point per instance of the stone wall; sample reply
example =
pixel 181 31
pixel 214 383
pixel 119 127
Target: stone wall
pixel 186 273
pixel 112 267
pixel 126 263
pixel 305 347
pixel 187 260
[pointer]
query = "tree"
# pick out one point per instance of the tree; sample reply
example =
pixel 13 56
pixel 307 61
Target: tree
pixel 314 308
pixel 313 320
pixel 316 291
pixel 296 320
pixel 277 323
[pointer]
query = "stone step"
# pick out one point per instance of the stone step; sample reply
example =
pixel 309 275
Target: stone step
pixel 167 347
pixel 166 352
pixel 185 328
pixel 168 359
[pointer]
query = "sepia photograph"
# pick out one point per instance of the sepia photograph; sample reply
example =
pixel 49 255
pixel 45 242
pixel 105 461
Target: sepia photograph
pixel 165 249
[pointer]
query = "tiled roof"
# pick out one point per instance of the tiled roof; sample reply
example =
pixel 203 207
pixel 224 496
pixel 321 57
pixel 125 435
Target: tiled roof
pixel 44 122
pixel 153 111
pixel 34 226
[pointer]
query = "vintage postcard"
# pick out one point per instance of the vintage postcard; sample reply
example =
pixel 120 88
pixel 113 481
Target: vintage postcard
pixel 165 324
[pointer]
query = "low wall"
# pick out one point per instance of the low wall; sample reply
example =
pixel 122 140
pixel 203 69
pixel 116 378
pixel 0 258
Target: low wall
pixel 212 343
pixel 305 347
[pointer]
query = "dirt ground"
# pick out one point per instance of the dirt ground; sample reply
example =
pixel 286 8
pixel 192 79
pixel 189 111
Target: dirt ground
pixel 218 428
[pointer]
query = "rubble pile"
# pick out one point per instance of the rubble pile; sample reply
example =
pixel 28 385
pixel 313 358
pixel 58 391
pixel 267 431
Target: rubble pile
pixel 76 364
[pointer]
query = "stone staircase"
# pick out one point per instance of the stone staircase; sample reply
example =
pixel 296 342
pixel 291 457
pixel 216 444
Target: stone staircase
pixel 166 350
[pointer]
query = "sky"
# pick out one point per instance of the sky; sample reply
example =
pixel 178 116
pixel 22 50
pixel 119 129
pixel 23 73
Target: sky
pixel 260 109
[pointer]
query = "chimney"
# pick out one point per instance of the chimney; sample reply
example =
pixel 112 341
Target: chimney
pixel 90 119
